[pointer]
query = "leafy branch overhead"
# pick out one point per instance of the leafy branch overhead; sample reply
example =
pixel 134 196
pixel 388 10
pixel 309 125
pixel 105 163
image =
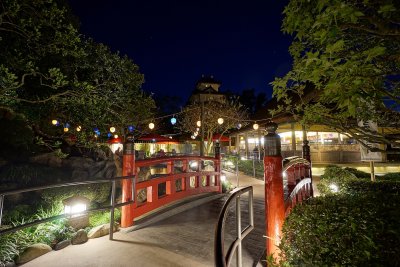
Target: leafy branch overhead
pixel 232 113
pixel 49 71
pixel 347 53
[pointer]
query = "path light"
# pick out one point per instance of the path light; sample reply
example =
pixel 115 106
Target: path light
pixel 151 126
pixel 220 120
pixel 198 123
pixel 112 129
pixel 334 188
pixel 223 178
pixel 255 126
pixel 173 121
pixel 54 122
pixel 75 207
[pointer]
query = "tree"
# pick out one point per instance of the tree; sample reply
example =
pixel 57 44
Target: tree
pixel 232 113
pixel 348 52
pixel 49 71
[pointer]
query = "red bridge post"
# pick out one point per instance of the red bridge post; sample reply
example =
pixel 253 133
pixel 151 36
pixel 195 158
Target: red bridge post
pixel 128 168
pixel 274 202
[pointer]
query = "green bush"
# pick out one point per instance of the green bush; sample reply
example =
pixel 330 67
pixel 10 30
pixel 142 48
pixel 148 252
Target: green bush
pixel 246 166
pixel 345 230
pixel 358 174
pixel 395 176
pixel 102 217
pixel 334 176
pixel 96 193
pixel 11 245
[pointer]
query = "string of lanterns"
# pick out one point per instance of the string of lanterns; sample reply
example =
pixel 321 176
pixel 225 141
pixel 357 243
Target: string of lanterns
pixel 151 125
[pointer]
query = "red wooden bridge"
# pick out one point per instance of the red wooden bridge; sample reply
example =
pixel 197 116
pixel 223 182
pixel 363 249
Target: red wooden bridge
pixel 287 183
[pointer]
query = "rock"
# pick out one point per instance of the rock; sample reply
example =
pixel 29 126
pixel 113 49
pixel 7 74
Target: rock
pixel 79 238
pixel 50 159
pixel 100 231
pixel 10 264
pixel 62 244
pixel 79 175
pixel 33 252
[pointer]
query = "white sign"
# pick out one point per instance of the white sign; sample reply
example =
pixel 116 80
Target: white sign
pixel 366 154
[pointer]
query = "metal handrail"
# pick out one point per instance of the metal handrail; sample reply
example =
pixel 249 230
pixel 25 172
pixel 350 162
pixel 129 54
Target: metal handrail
pixel 222 260
pixel 36 222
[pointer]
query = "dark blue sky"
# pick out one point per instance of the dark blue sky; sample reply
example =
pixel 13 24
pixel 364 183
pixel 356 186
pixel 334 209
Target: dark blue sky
pixel 175 42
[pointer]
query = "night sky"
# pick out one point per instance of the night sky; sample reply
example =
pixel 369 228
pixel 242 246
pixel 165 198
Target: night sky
pixel 175 42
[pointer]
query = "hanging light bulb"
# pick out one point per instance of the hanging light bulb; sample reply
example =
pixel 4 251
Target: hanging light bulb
pixel 78 128
pixel 255 126
pixel 173 121
pixel 151 126
pixel 112 129
pixel 131 128
pixel 198 123
pixel 54 122
pixel 66 127
pixel 220 120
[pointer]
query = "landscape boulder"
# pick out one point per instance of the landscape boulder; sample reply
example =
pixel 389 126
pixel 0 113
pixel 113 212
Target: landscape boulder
pixel 100 231
pixel 79 238
pixel 33 252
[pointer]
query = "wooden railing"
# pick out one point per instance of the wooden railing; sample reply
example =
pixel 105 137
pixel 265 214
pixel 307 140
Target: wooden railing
pixel 173 178
pixel 297 171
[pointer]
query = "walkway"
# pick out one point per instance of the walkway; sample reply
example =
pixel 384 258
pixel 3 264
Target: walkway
pixel 185 239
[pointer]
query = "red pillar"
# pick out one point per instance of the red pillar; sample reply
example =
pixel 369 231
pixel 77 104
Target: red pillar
pixel 274 203
pixel 128 169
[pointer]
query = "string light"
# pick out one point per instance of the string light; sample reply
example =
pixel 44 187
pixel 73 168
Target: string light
pixel 78 128
pixel 116 136
pixel 255 126
pixel 112 129
pixel 66 129
pixel 198 123
pixel 131 128
pixel 238 126
pixel 173 121
pixel 54 122
pixel 151 126
pixel 220 120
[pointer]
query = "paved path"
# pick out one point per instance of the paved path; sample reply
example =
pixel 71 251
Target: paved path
pixel 185 239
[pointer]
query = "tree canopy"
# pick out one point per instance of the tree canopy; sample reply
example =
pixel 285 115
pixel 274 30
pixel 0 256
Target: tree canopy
pixel 231 111
pixel 348 54
pixel 48 70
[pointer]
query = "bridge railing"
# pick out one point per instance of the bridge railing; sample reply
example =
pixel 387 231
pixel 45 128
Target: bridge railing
pixel 222 260
pixel 166 179
pixel 297 173
pixel 112 206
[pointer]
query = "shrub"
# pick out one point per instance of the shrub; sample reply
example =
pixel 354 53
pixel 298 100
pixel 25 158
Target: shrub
pixel 395 176
pixel 97 193
pixel 226 186
pixel 246 166
pixel 101 217
pixel 334 176
pixel 358 174
pixel 345 230
pixel 11 245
